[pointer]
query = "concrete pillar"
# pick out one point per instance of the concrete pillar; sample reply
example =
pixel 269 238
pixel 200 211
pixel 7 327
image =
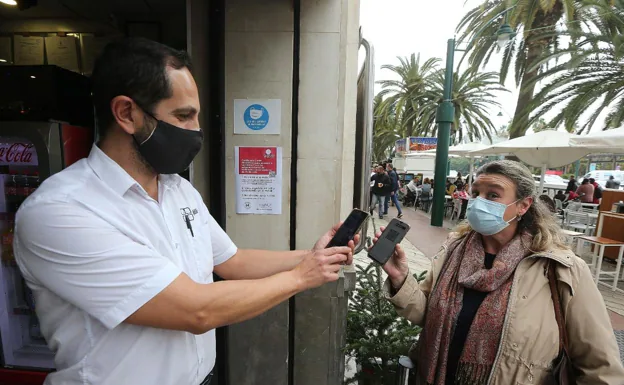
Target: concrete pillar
pixel 259 60
pixel 259 65
pixel 327 99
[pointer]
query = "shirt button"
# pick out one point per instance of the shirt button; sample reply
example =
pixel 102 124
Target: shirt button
pixel 177 245
pixel 524 297
pixel 514 346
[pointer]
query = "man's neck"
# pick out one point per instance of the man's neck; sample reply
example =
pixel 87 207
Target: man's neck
pixel 124 154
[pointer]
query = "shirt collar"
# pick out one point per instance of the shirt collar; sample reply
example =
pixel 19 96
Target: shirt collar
pixel 111 173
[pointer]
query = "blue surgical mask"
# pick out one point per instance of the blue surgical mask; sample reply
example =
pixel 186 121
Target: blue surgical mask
pixel 487 217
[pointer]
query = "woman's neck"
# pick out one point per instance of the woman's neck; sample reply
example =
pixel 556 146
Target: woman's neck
pixel 493 243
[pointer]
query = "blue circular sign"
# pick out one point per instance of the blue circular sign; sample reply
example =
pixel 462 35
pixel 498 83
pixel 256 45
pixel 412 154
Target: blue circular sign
pixel 256 117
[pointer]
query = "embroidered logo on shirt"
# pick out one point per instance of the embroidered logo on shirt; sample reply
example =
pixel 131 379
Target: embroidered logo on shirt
pixel 188 213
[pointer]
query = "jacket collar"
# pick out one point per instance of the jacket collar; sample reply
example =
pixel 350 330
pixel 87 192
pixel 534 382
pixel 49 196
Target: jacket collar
pixel 563 257
pixel 565 260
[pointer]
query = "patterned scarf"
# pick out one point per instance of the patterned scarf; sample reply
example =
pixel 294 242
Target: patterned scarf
pixel 464 268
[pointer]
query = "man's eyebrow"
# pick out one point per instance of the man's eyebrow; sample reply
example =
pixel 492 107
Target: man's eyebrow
pixel 184 110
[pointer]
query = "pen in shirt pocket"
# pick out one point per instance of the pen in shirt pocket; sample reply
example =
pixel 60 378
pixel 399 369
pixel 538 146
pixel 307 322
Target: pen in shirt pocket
pixel 188 225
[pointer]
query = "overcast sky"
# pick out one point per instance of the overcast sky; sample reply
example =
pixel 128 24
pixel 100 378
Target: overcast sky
pixel 402 27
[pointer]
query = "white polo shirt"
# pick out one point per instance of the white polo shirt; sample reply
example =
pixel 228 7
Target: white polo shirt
pixel 94 247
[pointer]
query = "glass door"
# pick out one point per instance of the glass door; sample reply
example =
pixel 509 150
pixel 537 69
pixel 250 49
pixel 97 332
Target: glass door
pixel 22 342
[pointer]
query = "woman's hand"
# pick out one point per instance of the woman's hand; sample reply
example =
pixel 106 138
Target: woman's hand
pixel 396 267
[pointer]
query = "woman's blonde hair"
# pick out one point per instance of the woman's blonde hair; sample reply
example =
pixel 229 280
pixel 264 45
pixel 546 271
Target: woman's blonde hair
pixel 538 220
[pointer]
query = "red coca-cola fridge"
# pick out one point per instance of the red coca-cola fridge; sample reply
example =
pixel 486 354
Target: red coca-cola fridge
pixel 45 126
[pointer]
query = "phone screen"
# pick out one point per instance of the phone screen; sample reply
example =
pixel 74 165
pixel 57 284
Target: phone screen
pixel 392 235
pixel 349 228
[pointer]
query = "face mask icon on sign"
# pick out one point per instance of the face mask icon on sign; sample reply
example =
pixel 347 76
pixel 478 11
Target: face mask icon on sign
pixel 255 113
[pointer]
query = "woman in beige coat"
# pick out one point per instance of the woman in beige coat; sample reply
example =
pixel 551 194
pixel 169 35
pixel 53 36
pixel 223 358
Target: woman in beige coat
pixel 486 305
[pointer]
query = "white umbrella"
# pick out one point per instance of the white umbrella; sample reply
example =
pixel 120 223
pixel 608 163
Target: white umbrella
pixel 543 149
pixel 609 139
pixel 465 150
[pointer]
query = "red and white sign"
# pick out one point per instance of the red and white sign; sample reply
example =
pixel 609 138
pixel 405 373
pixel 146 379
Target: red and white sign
pixel 258 180
pixel 17 152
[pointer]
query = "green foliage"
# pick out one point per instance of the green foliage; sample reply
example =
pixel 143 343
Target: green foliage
pixel 539 26
pixel 460 165
pixel 376 335
pixel 408 106
pixel 591 79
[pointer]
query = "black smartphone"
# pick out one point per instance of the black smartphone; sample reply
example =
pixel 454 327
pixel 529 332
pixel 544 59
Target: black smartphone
pixel 349 228
pixel 391 236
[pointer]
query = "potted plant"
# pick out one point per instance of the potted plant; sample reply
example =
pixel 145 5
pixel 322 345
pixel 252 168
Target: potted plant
pixel 376 335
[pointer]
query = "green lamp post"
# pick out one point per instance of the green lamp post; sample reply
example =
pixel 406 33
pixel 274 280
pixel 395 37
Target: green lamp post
pixel 445 117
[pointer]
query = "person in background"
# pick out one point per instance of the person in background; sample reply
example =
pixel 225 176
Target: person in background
pixel 597 190
pixel 572 186
pixel 426 192
pixel 586 191
pixel 464 195
pixel 612 183
pixel 381 187
pixel 459 183
pixel 561 196
pixel 413 185
pixel 370 195
pixel 486 306
pixel 394 190
pixel 450 187
pixel 572 195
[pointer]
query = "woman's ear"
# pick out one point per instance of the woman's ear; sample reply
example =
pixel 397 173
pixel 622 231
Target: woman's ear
pixel 524 205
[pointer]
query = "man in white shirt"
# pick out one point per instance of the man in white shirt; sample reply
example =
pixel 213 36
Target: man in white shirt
pixel 119 250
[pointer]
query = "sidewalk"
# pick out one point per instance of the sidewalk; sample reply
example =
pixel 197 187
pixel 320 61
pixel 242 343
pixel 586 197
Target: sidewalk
pixel 423 242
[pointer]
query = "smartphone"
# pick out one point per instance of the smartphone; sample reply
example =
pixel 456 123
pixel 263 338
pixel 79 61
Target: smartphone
pixel 392 235
pixel 349 228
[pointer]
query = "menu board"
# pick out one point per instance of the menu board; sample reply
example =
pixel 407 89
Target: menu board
pixel 28 50
pixel 62 51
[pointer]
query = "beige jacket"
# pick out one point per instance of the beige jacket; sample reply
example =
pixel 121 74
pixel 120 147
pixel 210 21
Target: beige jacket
pixel 530 338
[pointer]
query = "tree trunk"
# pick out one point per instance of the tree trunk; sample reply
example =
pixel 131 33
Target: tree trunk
pixel 534 50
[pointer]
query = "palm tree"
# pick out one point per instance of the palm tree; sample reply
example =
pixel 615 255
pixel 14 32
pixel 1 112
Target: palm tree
pixel 385 132
pixel 404 98
pixel 535 23
pixel 474 97
pixel 591 80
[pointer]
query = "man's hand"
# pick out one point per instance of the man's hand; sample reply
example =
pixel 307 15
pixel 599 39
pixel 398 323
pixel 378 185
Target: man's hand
pixel 320 267
pixel 327 237
pixel 392 193
pixel 396 267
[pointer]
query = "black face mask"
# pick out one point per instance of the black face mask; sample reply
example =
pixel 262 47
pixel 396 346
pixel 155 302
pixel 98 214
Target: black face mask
pixel 170 149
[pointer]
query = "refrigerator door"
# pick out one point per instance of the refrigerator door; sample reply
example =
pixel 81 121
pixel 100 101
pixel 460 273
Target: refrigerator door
pixel 22 342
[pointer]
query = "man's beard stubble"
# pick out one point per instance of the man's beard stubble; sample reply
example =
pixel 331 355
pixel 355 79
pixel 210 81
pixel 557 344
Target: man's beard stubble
pixel 137 157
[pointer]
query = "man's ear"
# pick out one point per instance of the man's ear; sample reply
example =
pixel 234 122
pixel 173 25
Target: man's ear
pixel 127 114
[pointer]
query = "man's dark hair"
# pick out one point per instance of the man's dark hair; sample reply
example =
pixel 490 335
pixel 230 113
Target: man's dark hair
pixel 592 180
pixel 137 68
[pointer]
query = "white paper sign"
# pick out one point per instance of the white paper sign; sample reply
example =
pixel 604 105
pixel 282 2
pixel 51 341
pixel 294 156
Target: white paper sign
pixel 28 50
pixel 62 52
pixel 5 51
pixel 257 117
pixel 258 180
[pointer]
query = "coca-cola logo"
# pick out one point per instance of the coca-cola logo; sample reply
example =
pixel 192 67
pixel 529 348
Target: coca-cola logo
pixel 17 152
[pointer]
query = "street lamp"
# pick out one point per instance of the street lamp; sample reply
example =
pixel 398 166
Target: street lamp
pixel 445 116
